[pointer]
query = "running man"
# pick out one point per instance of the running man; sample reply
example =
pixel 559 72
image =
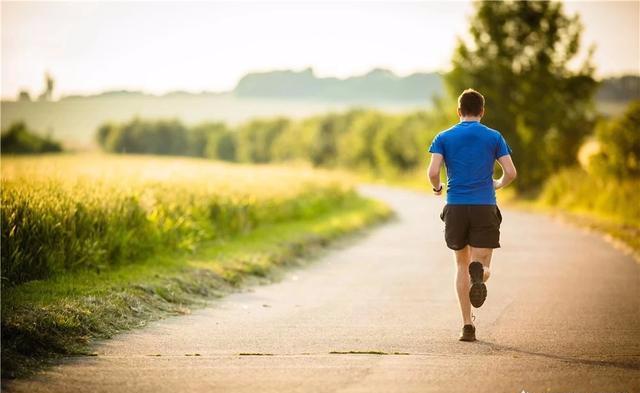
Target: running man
pixel 472 219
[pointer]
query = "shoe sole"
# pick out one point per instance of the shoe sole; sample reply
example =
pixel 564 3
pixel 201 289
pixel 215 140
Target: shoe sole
pixel 467 339
pixel 478 290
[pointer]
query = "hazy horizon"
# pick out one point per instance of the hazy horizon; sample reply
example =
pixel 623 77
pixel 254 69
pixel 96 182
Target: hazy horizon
pixel 202 91
pixel 160 47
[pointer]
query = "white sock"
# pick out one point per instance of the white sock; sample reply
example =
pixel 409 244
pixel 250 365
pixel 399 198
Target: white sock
pixel 487 273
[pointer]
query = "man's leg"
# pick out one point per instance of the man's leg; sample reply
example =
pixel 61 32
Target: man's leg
pixel 482 255
pixel 463 258
pixel 479 274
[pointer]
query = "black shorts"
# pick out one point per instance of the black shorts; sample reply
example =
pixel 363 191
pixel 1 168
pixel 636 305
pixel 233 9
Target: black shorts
pixel 474 225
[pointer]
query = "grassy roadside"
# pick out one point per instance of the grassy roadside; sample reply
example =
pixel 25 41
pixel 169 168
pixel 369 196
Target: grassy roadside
pixel 80 212
pixel 46 319
pixel 599 203
pixel 624 234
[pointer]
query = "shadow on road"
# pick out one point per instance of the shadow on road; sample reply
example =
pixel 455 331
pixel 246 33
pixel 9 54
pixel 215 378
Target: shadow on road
pixel 629 365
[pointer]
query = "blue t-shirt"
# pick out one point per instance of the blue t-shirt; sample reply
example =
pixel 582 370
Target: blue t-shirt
pixel 470 150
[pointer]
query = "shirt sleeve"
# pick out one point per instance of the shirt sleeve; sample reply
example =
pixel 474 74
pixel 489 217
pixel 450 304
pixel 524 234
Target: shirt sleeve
pixel 503 148
pixel 436 145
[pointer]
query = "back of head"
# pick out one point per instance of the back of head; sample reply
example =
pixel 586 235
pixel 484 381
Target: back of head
pixel 471 103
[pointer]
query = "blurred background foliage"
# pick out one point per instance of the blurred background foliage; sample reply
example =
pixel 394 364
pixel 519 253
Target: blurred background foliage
pixel 18 139
pixel 519 60
pixel 361 139
pixel 607 182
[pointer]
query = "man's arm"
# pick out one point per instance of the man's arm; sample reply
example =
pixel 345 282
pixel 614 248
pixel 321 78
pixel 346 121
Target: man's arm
pixel 509 172
pixel 434 172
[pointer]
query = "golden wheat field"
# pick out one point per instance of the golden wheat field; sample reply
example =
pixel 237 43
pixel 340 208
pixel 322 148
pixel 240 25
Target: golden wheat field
pixel 61 213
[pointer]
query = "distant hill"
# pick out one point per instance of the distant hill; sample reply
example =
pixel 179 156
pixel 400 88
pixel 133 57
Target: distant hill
pixel 376 85
pixel 615 93
pixel 624 88
pixel 383 85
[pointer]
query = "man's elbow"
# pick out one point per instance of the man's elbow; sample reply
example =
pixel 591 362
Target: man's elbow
pixel 513 174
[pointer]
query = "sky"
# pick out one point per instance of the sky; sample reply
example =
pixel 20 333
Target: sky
pixel 158 47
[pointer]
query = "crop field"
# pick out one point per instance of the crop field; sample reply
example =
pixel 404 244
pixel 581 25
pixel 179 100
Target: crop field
pixel 92 212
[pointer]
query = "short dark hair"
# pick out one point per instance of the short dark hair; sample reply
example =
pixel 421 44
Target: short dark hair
pixel 470 103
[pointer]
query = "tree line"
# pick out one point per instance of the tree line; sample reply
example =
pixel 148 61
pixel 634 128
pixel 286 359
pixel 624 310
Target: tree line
pixel 361 139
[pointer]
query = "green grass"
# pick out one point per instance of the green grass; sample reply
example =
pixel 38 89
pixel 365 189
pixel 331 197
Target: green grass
pixel 78 212
pixel 43 320
pixel 602 197
pixel 601 203
pixel 622 231
pixel 605 205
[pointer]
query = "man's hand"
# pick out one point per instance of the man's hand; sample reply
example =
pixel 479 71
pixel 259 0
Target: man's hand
pixel 497 184
pixel 438 191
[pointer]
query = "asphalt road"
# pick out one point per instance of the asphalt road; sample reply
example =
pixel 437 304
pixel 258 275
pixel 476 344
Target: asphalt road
pixel 562 315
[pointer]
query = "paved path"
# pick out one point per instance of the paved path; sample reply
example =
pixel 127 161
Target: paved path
pixel 563 315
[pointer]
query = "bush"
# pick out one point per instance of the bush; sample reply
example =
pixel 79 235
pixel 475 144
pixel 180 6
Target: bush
pixel 220 141
pixel 619 145
pixel 356 148
pixel 256 138
pixel 575 190
pixel 401 144
pixel 164 137
pixel 19 140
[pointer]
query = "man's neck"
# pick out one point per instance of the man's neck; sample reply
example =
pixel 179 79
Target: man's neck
pixel 469 118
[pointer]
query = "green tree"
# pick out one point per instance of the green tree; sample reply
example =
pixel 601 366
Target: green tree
pixel 18 139
pixel 323 149
pixel 294 143
pixel 255 139
pixel 166 137
pixel 400 146
pixel 619 141
pixel 197 140
pixel 103 134
pixel 220 144
pixel 519 61
pixel 355 147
